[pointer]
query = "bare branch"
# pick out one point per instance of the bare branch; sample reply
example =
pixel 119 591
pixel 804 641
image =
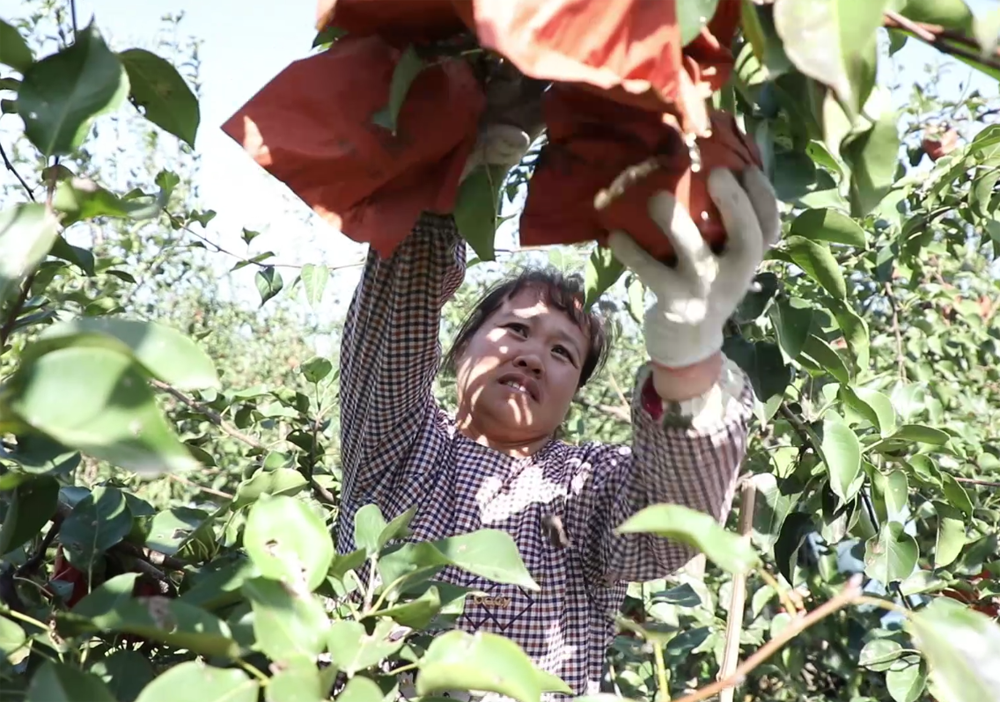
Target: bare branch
pixel 213 416
pixel 737 601
pixel 849 595
pixel 942 39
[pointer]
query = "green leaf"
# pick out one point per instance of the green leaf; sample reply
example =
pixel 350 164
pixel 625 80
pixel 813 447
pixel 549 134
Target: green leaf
pixel 896 494
pixel 487 662
pixel 96 400
pixel 353 649
pixel 31 506
pixel 289 624
pixel 14 51
pixel 794 323
pixel 842 453
pixel 282 481
pixel 62 94
pixel 833 41
pixel 827 358
pixel 876 407
pixel 818 263
pixel 397 528
pixel 159 92
pixel 637 300
pixel 208 683
pixel 603 270
pixel 287 541
pixel 477 205
pixel 368 525
pixel 906 684
pixel 950 534
pixel 407 69
pixel 12 640
pixel 951 14
pixel 164 352
pixel 416 613
pixel 956 494
pixel 831 226
pixel 960 646
pixel 27 232
pixel 921 434
pixel 269 283
pixel 854 328
pixel 111 607
pixel 692 15
pixel 58 682
pixel 697 529
pixel 298 682
pixel 872 158
pixel 763 363
pixel 880 654
pixel 360 689
pixel 125 672
pixel 316 368
pixel 489 553
pixel 891 555
pixel 81 199
pixel 221 587
pixel 98 521
pixel 171 529
pixel 314 277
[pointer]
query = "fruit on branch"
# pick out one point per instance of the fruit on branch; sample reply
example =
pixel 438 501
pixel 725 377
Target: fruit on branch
pixel 592 141
pixel 939 142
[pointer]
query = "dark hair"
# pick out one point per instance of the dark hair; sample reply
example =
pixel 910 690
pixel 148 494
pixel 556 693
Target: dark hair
pixel 564 293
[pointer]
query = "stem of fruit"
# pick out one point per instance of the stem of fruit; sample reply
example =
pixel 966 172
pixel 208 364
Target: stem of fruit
pixel 624 180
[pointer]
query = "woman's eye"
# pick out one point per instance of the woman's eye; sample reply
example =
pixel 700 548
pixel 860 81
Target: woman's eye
pixel 519 329
pixel 562 351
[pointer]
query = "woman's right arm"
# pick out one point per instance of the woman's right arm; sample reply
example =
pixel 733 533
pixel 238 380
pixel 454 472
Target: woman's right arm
pixel 390 350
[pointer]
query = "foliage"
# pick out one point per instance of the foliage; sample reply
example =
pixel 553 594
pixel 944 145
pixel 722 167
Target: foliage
pixel 870 336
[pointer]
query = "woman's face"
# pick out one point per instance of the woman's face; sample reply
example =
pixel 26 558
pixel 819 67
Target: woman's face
pixel 518 373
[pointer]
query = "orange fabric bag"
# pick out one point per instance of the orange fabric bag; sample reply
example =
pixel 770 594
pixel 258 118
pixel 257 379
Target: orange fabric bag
pixel 591 141
pixel 311 128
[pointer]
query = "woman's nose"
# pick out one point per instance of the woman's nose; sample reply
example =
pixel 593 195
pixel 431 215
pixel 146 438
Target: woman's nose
pixel 529 362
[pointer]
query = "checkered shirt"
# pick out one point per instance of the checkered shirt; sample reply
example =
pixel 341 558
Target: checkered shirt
pixel 399 449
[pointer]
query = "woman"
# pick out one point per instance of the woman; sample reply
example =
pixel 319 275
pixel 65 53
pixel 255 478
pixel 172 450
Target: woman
pixel 518 362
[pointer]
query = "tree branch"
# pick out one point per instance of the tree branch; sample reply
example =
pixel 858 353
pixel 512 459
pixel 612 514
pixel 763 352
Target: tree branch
pixel 10 167
pixel 900 356
pixel 850 594
pixel 213 416
pixel 939 37
pixel 737 600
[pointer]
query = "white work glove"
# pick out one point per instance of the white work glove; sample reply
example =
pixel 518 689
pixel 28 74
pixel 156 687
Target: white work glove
pixel 696 297
pixel 498 145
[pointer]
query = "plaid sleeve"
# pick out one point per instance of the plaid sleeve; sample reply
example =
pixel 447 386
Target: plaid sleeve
pixel 690 456
pixel 390 350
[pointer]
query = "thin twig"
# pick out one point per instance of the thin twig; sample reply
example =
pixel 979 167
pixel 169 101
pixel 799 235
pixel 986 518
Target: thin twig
pixel 322 493
pixel 938 37
pixel 202 488
pixel 900 357
pixel 213 416
pixel 15 310
pixel 10 167
pixel 850 594
pixel 973 481
pixel 624 180
pixel 38 557
pixel 738 598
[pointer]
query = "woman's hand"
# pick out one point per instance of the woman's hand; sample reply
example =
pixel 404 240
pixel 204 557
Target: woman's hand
pixel 683 329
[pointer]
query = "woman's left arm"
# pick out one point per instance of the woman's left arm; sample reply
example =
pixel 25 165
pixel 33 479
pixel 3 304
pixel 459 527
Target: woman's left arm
pixel 692 405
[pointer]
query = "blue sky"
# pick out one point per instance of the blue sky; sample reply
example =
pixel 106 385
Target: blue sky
pixel 243 48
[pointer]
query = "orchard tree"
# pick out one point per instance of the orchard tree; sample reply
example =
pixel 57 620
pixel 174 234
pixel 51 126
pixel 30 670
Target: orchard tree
pixel 860 561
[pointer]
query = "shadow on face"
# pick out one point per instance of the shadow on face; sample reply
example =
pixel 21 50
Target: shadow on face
pixel 517 375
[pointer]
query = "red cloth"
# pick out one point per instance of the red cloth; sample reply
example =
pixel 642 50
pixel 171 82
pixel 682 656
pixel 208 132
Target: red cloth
pixel 624 82
pixel 311 128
